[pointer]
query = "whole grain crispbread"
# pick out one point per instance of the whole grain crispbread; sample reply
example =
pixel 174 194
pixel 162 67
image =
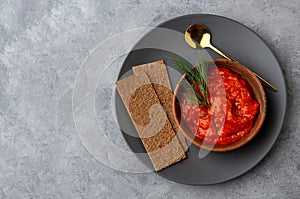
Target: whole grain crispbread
pixel 158 75
pixel 161 143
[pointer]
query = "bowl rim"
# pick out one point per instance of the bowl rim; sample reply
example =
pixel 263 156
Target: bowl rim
pixel 256 125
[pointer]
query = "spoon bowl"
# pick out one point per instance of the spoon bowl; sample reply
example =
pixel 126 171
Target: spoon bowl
pixel 197 33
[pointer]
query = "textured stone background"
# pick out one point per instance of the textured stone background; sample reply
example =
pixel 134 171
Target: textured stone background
pixel 43 43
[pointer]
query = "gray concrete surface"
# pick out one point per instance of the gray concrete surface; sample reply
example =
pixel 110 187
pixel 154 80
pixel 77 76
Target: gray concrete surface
pixel 42 45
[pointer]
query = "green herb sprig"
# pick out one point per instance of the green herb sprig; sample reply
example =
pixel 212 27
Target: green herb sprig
pixel 197 75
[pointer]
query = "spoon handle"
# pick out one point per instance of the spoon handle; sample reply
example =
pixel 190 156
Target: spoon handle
pixel 221 53
pixel 262 80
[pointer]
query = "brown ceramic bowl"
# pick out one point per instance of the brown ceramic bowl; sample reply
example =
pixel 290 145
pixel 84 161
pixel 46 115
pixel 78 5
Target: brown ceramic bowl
pixel 258 93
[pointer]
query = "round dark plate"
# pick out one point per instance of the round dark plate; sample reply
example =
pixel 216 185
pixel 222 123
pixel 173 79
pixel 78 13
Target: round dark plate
pixel 248 48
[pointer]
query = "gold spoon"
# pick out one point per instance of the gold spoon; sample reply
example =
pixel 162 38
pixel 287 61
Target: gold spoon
pixel 200 34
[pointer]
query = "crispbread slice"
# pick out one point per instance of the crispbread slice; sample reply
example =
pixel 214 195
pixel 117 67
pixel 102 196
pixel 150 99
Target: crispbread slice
pixel 158 75
pixel 152 124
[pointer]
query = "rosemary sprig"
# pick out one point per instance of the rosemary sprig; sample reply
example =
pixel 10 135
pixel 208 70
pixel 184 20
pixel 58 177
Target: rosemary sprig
pixel 196 80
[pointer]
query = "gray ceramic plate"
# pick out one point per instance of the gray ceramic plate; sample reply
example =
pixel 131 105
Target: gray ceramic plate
pixel 244 45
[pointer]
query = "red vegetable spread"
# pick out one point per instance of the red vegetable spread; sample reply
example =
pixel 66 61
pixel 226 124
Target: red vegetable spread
pixel 231 114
